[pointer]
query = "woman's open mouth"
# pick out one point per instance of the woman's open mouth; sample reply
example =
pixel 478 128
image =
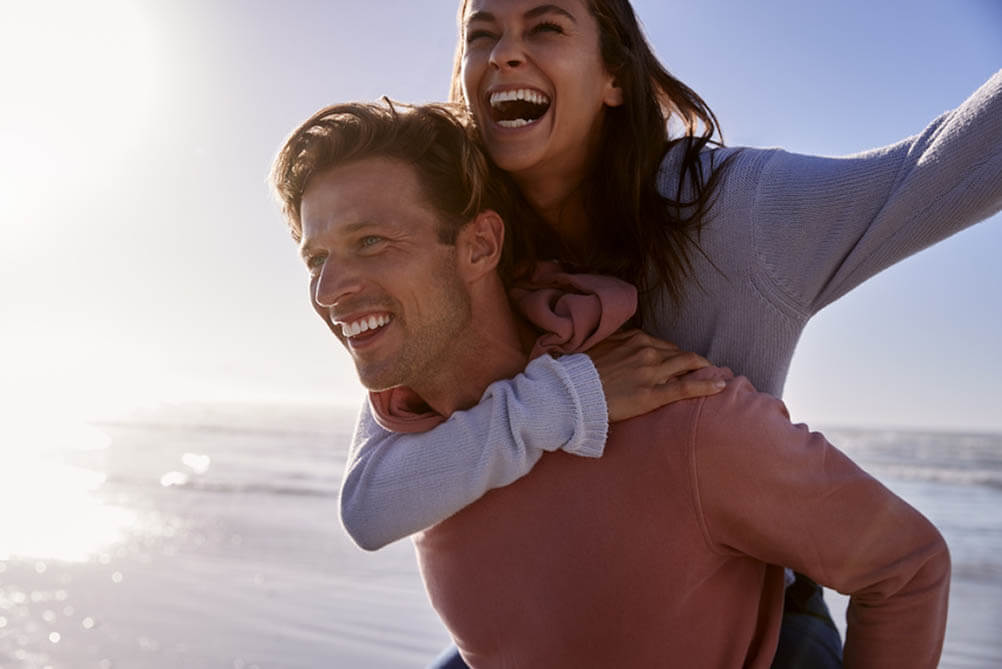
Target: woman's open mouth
pixel 517 107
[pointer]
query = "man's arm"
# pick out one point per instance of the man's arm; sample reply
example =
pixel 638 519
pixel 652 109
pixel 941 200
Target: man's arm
pixel 784 495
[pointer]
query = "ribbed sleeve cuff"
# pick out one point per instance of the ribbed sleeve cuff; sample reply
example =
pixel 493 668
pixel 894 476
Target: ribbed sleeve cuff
pixel 585 386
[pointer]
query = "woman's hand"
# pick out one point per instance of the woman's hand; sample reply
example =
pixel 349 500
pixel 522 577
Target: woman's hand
pixel 640 373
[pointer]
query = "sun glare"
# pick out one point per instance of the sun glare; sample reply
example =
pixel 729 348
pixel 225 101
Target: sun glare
pixel 48 509
pixel 77 78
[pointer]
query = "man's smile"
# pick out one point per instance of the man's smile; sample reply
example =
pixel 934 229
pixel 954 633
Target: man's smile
pixel 358 331
pixel 356 327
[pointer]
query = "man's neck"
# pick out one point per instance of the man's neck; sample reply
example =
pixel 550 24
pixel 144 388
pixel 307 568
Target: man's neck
pixel 495 346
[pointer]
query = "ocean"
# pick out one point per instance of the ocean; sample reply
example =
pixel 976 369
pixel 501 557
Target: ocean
pixel 207 536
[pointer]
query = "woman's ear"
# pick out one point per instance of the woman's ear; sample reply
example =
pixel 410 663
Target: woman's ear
pixel 479 245
pixel 613 94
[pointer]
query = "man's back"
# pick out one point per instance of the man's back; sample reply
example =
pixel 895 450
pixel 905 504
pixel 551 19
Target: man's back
pixel 665 550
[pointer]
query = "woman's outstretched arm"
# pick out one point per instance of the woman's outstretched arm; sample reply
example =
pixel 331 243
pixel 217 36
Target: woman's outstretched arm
pixel 824 225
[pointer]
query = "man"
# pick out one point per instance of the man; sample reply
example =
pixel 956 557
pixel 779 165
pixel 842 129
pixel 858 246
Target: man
pixel 663 552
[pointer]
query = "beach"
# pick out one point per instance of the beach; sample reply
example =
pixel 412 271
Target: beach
pixel 207 536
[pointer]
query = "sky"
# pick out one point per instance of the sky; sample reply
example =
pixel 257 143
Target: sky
pixel 142 259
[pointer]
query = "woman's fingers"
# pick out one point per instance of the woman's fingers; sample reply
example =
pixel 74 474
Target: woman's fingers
pixel 685 387
pixel 641 373
pixel 677 364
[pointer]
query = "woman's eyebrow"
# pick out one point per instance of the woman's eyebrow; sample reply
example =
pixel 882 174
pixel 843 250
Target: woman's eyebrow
pixel 540 10
pixel 479 16
pixel 533 13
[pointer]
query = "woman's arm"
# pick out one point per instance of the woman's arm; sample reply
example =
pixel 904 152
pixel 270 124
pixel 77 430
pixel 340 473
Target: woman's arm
pixel 396 484
pixel 824 225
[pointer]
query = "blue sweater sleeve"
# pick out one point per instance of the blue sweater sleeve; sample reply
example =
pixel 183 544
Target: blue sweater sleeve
pixel 824 225
pixel 397 484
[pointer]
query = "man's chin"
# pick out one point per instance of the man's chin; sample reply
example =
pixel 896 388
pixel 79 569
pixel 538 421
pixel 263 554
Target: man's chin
pixel 378 388
pixel 377 382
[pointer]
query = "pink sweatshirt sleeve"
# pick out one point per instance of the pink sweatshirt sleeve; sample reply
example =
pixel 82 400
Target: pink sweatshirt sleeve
pixel 786 496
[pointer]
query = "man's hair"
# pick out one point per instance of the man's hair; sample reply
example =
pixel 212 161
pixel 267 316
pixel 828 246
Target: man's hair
pixel 452 171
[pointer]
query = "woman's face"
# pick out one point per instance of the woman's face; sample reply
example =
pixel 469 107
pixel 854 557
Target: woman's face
pixel 534 79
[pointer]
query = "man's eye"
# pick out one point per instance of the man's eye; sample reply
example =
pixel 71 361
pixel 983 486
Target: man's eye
pixel 314 262
pixel 370 240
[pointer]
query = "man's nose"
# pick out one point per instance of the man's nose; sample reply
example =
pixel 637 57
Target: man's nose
pixel 335 282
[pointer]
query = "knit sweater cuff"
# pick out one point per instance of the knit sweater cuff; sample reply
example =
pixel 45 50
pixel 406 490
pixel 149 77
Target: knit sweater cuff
pixel 585 389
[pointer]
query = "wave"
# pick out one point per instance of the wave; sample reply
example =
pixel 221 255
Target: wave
pixel 285 488
pixel 937 474
pixel 235 430
pixel 259 489
pixel 986 572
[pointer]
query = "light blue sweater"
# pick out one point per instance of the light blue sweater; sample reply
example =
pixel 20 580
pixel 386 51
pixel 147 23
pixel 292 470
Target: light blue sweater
pixel 789 234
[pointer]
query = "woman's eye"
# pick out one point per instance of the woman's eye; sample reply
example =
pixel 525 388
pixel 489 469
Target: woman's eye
pixel 546 26
pixel 473 35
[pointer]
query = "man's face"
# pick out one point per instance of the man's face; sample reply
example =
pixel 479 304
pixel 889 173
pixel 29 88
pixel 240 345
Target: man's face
pixel 379 276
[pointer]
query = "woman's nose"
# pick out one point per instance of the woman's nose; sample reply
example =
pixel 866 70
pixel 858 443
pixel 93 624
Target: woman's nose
pixel 507 52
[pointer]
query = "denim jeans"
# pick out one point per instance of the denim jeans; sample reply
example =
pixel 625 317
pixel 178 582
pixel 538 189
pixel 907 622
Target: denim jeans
pixel 808 638
pixel 449 659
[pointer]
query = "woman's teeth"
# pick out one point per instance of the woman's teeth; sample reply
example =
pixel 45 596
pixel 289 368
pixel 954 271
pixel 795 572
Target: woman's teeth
pixel 518 107
pixel 524 94
pixel 364 325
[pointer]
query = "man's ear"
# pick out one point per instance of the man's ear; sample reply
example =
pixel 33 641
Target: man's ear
pixel 479 245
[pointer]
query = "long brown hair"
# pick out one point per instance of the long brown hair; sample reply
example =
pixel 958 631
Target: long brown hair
pixel 629 218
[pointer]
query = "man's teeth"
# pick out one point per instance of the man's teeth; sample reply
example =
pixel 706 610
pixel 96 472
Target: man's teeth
pixel 524 94
pixel 514 123
pixel 364 325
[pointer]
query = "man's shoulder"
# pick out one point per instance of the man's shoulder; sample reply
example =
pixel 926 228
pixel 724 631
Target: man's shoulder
pixel 739 395
pixel 739 399
pixel 736 415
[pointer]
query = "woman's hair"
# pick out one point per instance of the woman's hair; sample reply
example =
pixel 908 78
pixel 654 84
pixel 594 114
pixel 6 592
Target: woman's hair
pixel 629 217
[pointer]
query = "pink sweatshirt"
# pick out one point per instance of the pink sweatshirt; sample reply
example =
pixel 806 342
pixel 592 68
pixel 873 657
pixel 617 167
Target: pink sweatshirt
pixel 666 551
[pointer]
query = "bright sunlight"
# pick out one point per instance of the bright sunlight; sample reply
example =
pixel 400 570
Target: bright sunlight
pixel 77 79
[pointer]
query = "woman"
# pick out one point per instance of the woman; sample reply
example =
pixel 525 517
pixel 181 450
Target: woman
pixel 739 248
